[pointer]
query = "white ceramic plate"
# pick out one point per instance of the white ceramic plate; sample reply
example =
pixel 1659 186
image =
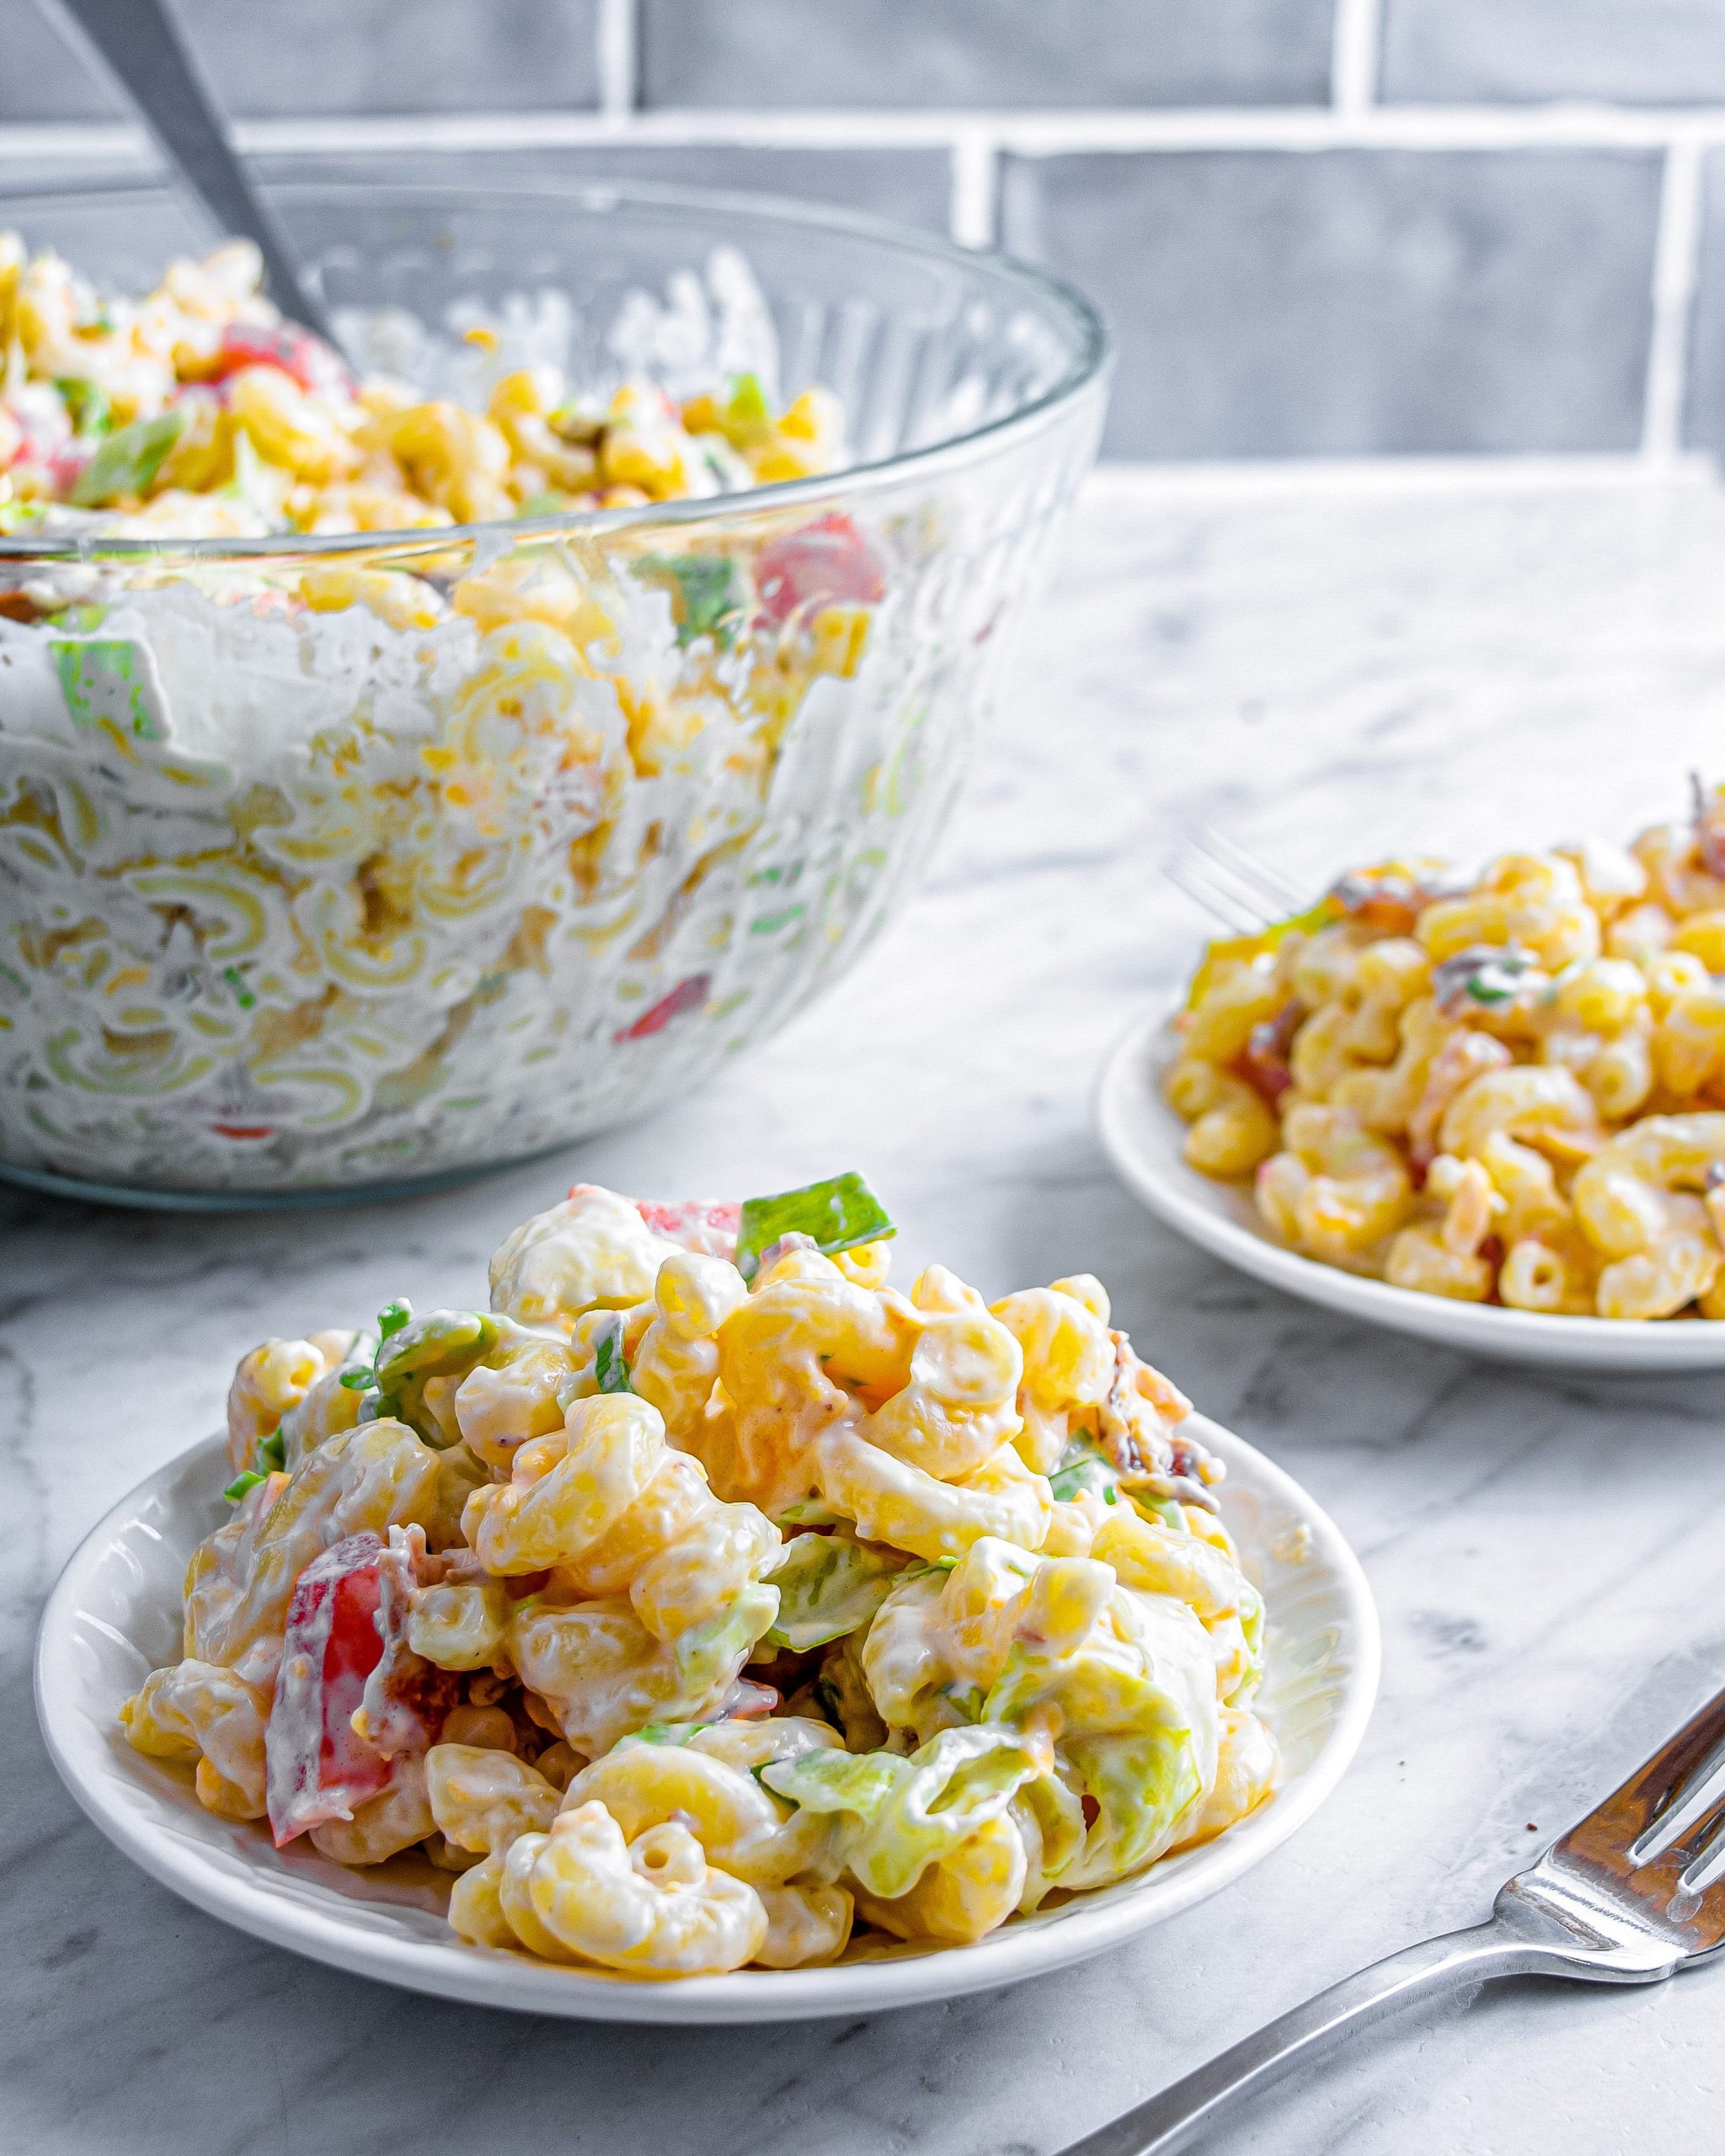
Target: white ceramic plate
pixel 1144 1137
pixel 113 1615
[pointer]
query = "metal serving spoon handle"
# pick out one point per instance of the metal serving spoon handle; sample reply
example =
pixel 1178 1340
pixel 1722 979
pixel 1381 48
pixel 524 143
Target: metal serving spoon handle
pixel 136 43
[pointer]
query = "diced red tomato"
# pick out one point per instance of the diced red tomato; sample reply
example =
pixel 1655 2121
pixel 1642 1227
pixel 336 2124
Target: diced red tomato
pixel 296 352
pixel 687 996
pixel 707 1225
pixel 826 561
pixel 318 1768
pixel 349 1611
pixel 64 467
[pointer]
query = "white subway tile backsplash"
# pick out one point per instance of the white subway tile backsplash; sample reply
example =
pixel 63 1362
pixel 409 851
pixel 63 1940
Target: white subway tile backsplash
pixel 1351 301
pixel 1670 52
pixel 1322 227
pixel 267 57
pixel 957 53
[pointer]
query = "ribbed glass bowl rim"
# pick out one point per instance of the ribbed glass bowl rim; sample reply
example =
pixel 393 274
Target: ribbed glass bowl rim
pixel 1093 344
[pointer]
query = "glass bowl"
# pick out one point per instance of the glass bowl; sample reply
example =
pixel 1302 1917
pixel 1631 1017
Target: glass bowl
pixel 306 894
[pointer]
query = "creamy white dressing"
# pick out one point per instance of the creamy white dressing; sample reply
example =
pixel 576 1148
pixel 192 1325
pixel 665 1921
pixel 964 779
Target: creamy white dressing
pixel 290 898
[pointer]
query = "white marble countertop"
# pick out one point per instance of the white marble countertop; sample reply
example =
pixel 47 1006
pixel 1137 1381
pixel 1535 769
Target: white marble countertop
pixel 1323 669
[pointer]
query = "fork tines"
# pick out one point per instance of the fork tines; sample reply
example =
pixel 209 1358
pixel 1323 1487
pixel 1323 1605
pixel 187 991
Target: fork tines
pixel 1243 894
pixel 1682 1791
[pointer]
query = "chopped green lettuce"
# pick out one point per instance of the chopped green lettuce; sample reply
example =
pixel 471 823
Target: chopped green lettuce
pixel 1049 1816
pixel 1083 1467
pixel 1149 1664
pixel 1144 1783
pixel 747 413
pixel 609 1366
pixel 836 1214
pixel 86 404
pixel 411 1351
pixel 128 460
pixel 829 1585
pixel 708 598
pixel 900 1815
pixel 724 1640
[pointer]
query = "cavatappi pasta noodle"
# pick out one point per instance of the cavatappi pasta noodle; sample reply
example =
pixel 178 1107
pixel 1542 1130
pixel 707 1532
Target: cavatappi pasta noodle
pixel 1510 1090
pixel 707 1602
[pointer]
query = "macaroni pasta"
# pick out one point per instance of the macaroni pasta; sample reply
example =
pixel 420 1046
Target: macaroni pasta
pixel 1507 1091
pixel 709 1601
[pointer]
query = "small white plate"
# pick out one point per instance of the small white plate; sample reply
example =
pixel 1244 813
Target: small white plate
pixel 1144 1137
pixel 114 1615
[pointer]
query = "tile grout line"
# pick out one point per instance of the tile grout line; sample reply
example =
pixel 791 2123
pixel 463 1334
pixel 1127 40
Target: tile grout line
pixel 1465 472
pixel 617 41
pixel 976 173
pixel 1676 259
pixel 1354 63
pixel 1246 128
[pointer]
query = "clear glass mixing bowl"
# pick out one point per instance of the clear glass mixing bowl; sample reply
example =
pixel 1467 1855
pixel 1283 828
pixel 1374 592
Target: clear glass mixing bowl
pixel 301 901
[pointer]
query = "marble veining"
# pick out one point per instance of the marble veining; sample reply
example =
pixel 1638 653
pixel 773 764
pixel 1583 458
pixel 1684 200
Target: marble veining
pixel 1322 670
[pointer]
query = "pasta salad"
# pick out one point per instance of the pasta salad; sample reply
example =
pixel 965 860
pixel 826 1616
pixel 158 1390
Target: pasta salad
pixel 196 411
pixel 1507 1089
pixel 322 868
pixel 706 1602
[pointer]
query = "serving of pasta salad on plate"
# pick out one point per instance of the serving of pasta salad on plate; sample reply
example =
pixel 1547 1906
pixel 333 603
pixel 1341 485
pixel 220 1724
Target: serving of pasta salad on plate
pixel 705 1602
pixel 1508 1089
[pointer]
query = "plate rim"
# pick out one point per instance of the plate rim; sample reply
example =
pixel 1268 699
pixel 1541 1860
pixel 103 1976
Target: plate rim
pixel 1596 1343
pixel 448 1968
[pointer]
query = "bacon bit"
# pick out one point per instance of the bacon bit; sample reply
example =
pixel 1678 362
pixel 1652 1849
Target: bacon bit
pixel 16 607
pixel 1263 1063
pixel 746 1701
pixel 687 996
pixel 786 1670
pixel 1190 1462
pixel 1379 899
pixel 825 561
pixel 1709 826
pixel 1093 1810
pixel 1391 916
pixel 518 1586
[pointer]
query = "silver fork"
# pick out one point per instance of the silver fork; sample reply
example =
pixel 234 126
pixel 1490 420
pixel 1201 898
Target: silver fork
pixel 1243 894
pixel 1627 1896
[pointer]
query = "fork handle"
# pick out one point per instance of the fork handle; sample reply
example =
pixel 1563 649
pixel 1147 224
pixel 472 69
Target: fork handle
pixel 1174 2118
pixel 137 44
